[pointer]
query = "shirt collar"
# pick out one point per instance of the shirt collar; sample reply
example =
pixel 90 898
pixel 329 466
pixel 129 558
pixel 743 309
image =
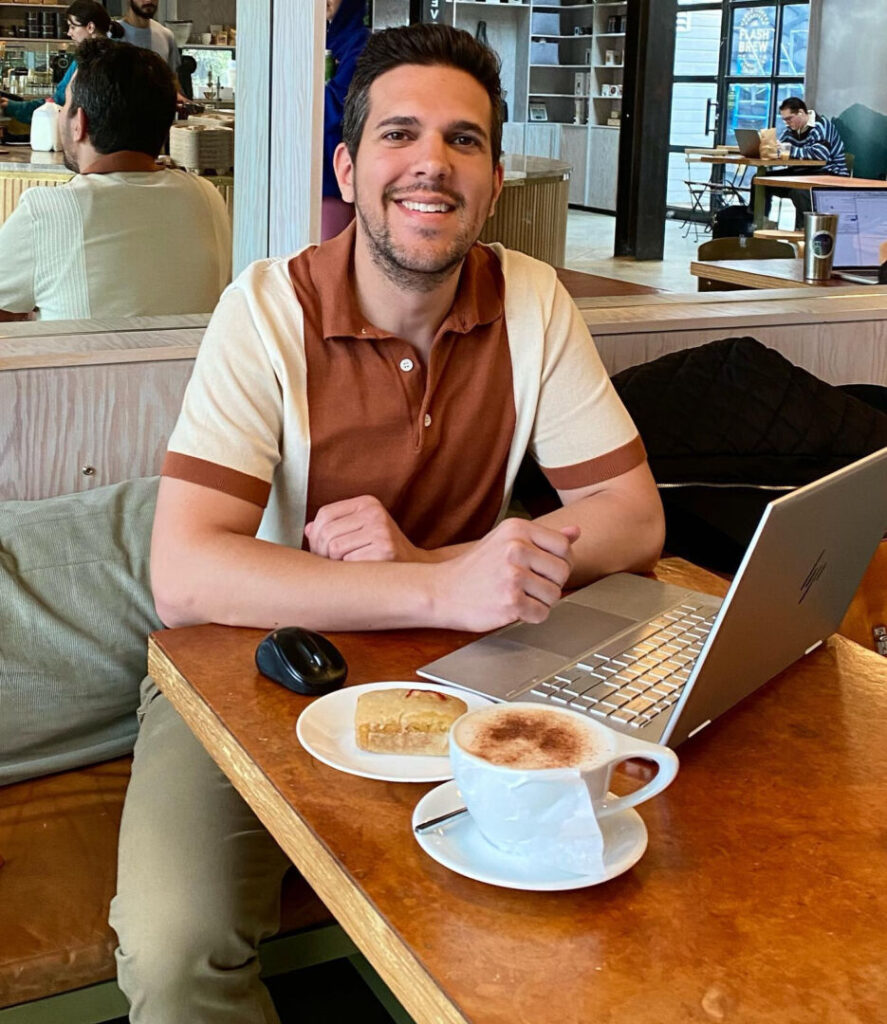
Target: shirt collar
pixel 479 297
pixel 123 160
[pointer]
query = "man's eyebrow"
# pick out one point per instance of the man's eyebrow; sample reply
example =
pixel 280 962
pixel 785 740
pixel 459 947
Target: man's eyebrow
pixel 406 121
pixel 403 121
pixel 468 126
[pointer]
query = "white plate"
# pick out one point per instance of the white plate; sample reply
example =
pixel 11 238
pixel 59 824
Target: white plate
pixel 326 730
pixel 459 846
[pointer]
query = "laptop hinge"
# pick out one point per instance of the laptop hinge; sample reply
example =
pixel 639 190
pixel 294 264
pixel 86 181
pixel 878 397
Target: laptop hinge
pixel 813 647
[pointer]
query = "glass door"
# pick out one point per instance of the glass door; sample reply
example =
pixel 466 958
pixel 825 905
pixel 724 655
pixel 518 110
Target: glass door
pixel 694 100
pixel 735 62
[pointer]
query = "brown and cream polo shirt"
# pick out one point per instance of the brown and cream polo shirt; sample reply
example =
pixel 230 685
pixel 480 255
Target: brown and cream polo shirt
pixel 297 400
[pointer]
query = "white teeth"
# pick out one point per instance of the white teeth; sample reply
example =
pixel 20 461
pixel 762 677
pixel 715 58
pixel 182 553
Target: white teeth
pixel 426 207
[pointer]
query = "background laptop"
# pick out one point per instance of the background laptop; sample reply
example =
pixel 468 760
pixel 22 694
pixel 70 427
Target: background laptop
pixel 661 662
pixel 749 142
pixel 862 230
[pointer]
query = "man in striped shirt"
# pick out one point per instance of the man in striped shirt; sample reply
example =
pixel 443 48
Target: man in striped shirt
pixel 811 138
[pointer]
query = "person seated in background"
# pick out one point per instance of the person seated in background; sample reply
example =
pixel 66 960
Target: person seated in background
pixel 126 236
pixel 87 19
pixel 811 137
pixel 344 459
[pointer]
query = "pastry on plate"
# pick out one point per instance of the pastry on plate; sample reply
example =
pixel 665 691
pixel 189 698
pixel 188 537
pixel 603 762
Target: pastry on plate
pixel 405 721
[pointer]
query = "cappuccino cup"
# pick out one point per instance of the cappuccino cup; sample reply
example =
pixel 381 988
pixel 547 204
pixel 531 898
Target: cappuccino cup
pixel 536 780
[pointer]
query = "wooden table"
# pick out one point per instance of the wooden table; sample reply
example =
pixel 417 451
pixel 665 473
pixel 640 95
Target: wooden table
pixel 806 181
pixel 762 274
pixel 759 165
pixel 760 898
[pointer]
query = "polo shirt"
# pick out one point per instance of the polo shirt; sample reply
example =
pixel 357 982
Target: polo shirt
pixel 297 400
pixel 123 238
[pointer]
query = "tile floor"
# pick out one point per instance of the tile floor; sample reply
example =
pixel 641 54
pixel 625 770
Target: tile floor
pixel 590 249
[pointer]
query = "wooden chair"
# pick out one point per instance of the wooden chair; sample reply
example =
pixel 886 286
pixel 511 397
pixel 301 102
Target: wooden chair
pixel 740 249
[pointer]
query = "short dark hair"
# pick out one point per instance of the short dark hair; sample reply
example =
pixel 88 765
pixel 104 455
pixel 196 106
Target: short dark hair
pixel 128 95
pixel 428 45
pixel 86 11
pixel 794 104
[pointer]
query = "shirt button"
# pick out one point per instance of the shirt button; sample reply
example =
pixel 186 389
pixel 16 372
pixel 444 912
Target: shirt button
pixel 427 420
pixel 406 365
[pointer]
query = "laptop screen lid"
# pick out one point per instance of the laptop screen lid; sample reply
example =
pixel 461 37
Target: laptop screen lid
pixel 791 591
pixel 749 142
pixel 862 225
pixel 795 583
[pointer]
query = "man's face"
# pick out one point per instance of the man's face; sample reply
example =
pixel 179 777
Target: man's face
pixel 66 136
pixel 143 8
pixel 795 120
pixel 332 7
pixel 423 183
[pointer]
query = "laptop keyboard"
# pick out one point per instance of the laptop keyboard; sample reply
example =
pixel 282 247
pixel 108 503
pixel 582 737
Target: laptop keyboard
pixel 639 683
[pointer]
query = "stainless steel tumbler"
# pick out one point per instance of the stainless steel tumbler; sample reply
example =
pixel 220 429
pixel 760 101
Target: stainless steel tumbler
pixel 820 232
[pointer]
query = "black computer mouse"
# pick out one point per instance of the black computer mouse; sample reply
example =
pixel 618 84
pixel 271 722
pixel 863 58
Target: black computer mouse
pixel 302 661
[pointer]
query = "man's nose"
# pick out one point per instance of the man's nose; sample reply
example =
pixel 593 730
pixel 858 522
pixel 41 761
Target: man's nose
pixel 432 156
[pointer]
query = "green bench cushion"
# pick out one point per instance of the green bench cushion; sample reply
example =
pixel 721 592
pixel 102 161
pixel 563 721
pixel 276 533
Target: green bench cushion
pixel 75 612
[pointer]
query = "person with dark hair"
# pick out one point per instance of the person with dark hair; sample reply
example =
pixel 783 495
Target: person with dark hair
pixel 139 28
pixel 100 244
pixel 344 459
pixel 811 137
pixel 346 36
pixel 87 19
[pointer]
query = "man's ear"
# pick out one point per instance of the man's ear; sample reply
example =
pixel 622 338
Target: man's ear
pixel 343 165
pixel 79 125
pixel 498 180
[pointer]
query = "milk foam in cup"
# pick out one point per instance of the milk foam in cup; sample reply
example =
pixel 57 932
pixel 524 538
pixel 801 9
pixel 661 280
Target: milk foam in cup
pixel 536 780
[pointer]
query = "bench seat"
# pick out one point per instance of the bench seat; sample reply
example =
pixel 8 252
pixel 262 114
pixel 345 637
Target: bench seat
pixel 58 841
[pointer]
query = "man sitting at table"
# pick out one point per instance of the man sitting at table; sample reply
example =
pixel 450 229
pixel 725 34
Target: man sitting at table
pixel 345 451
pixel 811 137
pixel 126 236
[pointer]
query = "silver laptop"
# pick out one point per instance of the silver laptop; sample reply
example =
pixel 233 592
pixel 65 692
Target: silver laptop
pixel 749 142
pixel 862 230
pixel 662 662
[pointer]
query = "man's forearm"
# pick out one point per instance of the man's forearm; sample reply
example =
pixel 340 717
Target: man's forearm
pixel 239 580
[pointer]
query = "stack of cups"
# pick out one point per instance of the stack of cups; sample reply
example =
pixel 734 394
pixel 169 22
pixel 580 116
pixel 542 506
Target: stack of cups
pixel 820 231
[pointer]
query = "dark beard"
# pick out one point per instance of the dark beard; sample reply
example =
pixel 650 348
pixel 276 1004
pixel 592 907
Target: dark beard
pixel 71 163
pixel 410 278
pixel 136 8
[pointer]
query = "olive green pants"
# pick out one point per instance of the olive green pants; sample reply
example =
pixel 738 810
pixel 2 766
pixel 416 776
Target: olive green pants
pixel 198 883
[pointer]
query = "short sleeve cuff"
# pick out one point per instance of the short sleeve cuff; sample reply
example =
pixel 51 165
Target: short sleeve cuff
pixel 595 471
pixel 216 477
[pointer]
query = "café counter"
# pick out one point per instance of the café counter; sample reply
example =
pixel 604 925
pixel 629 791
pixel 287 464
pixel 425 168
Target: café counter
pixel 531 213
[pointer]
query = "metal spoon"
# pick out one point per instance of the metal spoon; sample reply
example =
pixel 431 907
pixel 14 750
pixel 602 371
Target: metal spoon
pixel 424 826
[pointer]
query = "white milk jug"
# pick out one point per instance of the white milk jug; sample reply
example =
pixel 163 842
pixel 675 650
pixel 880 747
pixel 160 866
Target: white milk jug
pixel 45 128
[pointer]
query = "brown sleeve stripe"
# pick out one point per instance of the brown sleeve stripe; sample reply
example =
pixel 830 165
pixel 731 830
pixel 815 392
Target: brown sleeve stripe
pixel 594 471
pixel 217 478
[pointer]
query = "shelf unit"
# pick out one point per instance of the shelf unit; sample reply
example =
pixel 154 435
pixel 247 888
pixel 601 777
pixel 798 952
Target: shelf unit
pixel 558 78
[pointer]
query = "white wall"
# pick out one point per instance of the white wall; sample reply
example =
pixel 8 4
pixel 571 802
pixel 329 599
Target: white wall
pixel 847 66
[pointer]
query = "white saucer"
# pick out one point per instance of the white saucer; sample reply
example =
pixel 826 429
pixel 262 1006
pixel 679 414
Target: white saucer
pixel 459 846
pixel 326 730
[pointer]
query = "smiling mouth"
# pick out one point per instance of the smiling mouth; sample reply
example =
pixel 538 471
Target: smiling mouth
pixel 419 207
